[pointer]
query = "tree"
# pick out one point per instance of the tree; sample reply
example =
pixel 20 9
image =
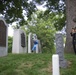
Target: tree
pixel 70 23
pixel 15 10
pixel 12 10
pixel 44 29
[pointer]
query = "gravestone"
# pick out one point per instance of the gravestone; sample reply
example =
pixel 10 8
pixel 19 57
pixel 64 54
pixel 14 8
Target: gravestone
pixel 34 37
pixel 55 64
pixel 39 47
pixel 31 43
pixel 3 37
pixel 60 50
pixel 19 42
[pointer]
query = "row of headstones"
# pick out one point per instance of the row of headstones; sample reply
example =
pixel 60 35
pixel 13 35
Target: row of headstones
pixel 20 46
pixel 19 41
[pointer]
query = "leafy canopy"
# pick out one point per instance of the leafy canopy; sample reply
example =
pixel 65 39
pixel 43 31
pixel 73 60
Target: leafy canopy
pixel 16 10
pixel 44 29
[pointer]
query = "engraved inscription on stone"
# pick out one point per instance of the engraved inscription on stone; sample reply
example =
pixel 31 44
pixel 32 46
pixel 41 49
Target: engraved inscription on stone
pixel 23 40
pixel 2 34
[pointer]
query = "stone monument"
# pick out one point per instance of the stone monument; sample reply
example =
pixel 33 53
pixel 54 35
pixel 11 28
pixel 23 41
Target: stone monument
pixel 39 47
pixel 19 42
pixel 30 43
pixel 3 37
pixel 55 64
pixel 60 50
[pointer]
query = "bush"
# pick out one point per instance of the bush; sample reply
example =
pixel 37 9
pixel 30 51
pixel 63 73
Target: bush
pixel 9 44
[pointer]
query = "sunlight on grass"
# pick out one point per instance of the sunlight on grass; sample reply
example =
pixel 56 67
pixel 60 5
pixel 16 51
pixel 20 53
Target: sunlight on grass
pixel 25 64
pixel 34 64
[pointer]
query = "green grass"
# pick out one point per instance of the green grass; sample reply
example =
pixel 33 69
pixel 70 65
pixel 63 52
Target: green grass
pixel 71 69
pixel 25 64
pixel 33 64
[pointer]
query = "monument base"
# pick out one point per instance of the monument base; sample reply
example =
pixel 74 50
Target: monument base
pixel 3 51
pixel 63 63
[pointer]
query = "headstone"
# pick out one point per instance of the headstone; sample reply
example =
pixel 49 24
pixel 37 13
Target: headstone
pixel 34 37
pixel 39 47
pixel 55 64
pixel 60 50
pixel 3 37
pixel 31 43
pixel 19 42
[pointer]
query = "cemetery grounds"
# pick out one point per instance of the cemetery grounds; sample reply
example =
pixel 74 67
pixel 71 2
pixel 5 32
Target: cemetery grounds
pixel 34 64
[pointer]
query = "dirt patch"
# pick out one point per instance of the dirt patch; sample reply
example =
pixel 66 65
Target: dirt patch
pixel 69 63
pixel 27 65
pixel 20 72
pixel 48 69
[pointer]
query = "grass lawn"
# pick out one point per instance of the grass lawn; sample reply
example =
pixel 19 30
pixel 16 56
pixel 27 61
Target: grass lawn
pixel 71 69
pixel 33 64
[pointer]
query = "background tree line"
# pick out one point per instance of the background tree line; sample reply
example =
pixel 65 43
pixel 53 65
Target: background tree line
pixel 44 27
pixel 15 10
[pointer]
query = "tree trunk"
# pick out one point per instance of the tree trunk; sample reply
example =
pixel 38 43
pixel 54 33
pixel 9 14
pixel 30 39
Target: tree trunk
pixel 70 14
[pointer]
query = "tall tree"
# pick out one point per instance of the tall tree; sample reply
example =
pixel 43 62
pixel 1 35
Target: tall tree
pixel 15 10
pixel 70 23
pixel 12 10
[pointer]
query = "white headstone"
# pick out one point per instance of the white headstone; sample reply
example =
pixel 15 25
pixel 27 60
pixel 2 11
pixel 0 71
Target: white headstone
pixel 19 42
pixel 37 50
pixel 55 64
pixel 31 38
pixel 3 37
pixel 29 42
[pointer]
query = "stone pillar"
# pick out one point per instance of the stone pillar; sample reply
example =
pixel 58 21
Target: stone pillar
pixel 19 42
pixel 29 42
pixel 55 64
pixel 31 38
pixel 39 47
pixel 60 50
pixel 3 37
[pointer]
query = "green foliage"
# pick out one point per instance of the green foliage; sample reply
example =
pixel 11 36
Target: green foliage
pixel 12 10
pixel 71 69
pixel 34 64
pixel 58 18
pixel 45 31
pixel 16 10
pixel 59 21
pixel 9 44
pixel 25 64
